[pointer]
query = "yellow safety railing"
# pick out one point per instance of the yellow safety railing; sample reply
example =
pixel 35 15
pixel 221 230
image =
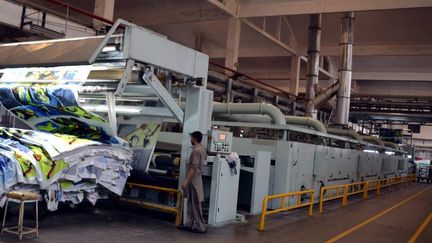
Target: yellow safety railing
pixel 175 210
pixel 284 207
pixel 357 188
pixel 331 193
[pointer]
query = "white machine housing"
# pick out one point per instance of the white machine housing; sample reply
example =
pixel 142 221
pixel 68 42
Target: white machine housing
pixel 224 192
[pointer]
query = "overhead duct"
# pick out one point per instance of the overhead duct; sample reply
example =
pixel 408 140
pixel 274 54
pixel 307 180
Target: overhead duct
pixel 250 108
pixel 345 132
pixel 222 90
pixel 392 145
pixel 314 45
pixel 374 140
pixel 308 122
pixel 345 70
pixel 221 84
pixel 323 97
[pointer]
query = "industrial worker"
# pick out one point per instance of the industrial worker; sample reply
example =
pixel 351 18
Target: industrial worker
pixel 193 185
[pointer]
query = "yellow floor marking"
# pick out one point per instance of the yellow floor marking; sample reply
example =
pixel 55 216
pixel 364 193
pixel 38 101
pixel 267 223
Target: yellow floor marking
pixel 347 232
pixel 420 229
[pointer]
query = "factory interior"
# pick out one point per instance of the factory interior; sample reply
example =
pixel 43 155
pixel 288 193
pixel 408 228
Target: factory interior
pixel 215 121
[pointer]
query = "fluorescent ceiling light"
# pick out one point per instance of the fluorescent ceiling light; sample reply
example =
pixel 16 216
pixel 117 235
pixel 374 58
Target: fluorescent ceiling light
pixel 119 109
pixel 371 151
pixel 109 48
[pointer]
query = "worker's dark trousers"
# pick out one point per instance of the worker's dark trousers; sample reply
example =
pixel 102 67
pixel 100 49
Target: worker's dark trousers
pixel 195 218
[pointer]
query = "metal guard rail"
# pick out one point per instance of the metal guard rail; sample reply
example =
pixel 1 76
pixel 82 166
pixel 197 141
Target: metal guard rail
pixel 344 191
pixel 283 206
pixel 174 210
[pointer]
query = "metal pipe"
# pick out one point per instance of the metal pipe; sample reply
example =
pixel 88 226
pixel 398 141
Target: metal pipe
pixel 314 45
pixel 215 77
pixel 251 108
pixel 345 71
pixel 243 96
pixel 345 132
pixel 229 91
pixel 392 145
pixel 222 90
pixel 255 94
pixel 308 122
pixel 374 140
pixel 323 97
pixel 216 88
pixel 220 78
pixel 287 94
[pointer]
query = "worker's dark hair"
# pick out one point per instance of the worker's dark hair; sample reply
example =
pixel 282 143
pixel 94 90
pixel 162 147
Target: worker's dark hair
pixel 197 135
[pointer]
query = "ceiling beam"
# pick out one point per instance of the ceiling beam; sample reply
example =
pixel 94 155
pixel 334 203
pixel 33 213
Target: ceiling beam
pixel 393 76
pixel 292 39
pixel 325 6
pixel 269 36
pixel 382 50
pixel 400 89
pixel 250 52
pixel 321 70
pixel 333 51
pixel 281 44
pixel 172 17
pixel 228 6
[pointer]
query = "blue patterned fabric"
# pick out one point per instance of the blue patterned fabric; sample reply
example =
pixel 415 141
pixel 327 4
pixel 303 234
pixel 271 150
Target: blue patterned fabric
pixel 56 110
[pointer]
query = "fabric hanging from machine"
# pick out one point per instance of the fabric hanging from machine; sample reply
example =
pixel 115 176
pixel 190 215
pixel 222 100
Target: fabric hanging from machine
pixel 56 110
pixel 143 141
pixel 72 155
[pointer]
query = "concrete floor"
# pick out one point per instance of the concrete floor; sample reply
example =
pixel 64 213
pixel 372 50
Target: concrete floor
pixel 114 225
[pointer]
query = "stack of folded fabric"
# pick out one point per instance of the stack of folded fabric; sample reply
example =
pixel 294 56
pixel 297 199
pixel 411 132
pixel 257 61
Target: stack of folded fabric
pixel 73 155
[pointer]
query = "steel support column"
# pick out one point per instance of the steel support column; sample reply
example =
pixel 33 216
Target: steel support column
pixel 345 70
pixel 295 75
pixel 233 43
pixel 105 9
pixel 314 45
pixel 199 42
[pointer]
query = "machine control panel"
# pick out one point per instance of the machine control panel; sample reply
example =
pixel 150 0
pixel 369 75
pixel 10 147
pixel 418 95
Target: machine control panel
pixel 221 142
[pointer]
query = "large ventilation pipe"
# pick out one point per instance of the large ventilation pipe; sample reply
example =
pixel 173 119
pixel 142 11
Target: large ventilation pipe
pixel 392 145
pixel 308 122
pixel 345 70
pixel 250 108
pixel 374 140
pixel 323 97
pixel 314 45
pixel 345 132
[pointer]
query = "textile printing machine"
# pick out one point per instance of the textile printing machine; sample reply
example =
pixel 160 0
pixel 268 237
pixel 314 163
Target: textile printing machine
pixel 117 75
pixel 153 93
pixel 142 83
